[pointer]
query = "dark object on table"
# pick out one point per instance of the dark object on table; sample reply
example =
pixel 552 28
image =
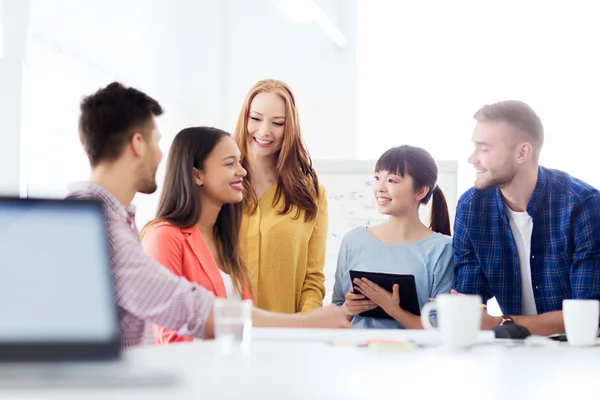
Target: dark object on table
pixel 511 331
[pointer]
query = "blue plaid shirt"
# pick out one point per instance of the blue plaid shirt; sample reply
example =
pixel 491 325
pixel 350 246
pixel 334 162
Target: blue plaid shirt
pixel 565 244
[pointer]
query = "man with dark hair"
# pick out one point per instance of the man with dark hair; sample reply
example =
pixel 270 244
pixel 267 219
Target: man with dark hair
pixel 526 234
pixel 120 137
pixel 117 117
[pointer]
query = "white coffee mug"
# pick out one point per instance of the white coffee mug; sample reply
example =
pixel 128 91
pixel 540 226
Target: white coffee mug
pixel 581 321
pixel 458 319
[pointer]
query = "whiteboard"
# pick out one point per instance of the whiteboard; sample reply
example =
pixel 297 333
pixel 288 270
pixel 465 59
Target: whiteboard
pixel 351 203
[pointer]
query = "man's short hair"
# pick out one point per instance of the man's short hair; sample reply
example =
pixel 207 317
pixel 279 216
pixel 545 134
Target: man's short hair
pixel 110 117
pixel 517 114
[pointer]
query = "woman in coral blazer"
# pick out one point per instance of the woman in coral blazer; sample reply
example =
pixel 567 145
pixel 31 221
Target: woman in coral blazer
pixel 284 229
pixel 185 253
pixel 196 230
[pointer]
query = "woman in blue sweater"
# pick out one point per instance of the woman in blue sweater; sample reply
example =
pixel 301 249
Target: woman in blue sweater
pixel 405 178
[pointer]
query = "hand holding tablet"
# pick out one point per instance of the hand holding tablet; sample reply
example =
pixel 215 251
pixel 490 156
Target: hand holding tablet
pixel 407 289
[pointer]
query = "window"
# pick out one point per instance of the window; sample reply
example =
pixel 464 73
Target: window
pixel 70 57
pixel 424 68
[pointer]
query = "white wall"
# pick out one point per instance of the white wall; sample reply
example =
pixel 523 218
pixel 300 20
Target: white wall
pixel 423 74
pixel 323 77
pixel 13 38
pixel 10 121
pixel 75 48
pixel 197 57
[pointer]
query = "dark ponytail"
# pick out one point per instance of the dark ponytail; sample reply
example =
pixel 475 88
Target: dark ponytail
pixel 439 220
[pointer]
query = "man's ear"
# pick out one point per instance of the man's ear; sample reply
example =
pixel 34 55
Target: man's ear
pixel 138 145
pixel 525 152
pixel 197 177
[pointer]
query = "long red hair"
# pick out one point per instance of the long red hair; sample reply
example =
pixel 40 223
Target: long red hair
pixel 297 183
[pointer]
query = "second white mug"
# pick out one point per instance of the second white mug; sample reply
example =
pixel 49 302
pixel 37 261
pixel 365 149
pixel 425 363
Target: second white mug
pixel 458 319
pixel 581 321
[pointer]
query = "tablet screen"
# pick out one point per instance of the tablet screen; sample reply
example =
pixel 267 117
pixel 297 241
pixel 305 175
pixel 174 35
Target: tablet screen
pixel 408 291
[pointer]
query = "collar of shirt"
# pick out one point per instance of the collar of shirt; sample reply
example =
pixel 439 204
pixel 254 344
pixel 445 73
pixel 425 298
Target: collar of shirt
pixel 112 205
pixel 537 198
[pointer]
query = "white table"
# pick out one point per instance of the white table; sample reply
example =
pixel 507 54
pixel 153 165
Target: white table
pixel 309 369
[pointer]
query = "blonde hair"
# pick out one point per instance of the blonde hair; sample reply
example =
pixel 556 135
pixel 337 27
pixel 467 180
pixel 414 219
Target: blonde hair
pixel 297 182
pixel 517 114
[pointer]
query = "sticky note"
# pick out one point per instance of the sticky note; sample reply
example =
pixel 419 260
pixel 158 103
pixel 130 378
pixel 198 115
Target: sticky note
pixel 393 346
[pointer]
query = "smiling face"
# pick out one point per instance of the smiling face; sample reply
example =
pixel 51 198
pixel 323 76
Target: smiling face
pixel 395 195
pixel 266 124
pixel 496 154
pixel 222 177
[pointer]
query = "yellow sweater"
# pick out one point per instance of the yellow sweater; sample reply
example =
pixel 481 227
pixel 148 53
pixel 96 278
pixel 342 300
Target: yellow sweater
pixel 285 256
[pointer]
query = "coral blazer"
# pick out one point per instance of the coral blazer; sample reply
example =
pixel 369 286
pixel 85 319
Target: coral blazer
pixel 185 253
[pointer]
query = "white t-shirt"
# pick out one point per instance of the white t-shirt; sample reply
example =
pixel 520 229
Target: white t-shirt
pixel 229 288
pixel 521 225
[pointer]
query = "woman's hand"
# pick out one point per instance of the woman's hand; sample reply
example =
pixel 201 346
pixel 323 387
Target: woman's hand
pixel 355 303
pixel 389 302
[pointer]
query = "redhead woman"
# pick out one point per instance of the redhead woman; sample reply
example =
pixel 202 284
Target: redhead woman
pixel 284 227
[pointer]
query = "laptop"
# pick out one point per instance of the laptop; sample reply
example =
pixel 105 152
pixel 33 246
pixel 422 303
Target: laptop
pixel 58 316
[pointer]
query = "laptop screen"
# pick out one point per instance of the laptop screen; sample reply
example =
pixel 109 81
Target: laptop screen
pixel 55 283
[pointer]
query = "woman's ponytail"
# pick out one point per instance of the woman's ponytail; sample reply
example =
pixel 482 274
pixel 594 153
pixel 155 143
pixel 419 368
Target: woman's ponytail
pixel 439 220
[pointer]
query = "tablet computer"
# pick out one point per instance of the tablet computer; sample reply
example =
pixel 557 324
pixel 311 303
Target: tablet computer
pixel 408 291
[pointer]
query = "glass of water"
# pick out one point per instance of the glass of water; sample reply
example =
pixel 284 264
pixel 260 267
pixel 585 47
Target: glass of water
pixel 233 325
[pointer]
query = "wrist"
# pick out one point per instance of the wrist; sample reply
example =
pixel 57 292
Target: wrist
pixel 506 319
pixel 396 312
pixel 347 312
pixel 394 308
pixel 301 320
pixel 496 321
